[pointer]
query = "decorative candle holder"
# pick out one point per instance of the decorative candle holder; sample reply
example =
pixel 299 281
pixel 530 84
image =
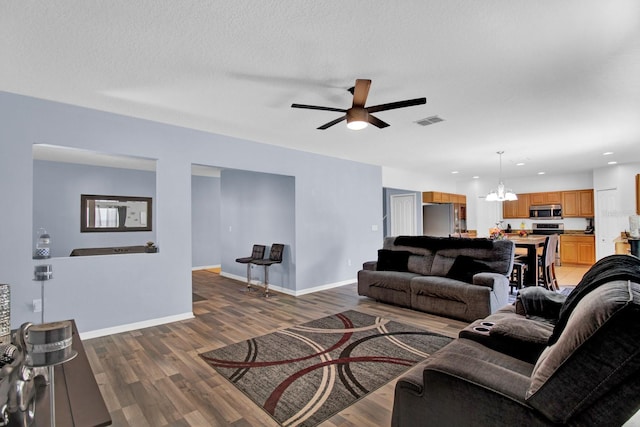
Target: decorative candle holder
pixel 48 345
pixel 5 314
pixel 42 273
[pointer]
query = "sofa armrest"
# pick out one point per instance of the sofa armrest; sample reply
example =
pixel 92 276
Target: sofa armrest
pixel 465 384
pixel 511 334
pixel 489 279
pixel 370 265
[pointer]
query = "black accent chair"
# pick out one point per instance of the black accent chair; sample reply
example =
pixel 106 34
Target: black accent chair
pixel 275 257
pixel 256 253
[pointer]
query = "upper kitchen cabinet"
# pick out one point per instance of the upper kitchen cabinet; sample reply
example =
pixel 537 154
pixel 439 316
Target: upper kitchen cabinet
pixel 638 194
pixel 577 204
pixel 548 198
pixel 439 197
pixel 516 208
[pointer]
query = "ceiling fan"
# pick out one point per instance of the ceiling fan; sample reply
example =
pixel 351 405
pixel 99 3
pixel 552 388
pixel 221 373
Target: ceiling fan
pixel 358 116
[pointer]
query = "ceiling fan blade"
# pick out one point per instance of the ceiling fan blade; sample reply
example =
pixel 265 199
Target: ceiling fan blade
pixel 360 92
pixel 377 122
pixel 316 107
pixel 394 105
pixel 331 123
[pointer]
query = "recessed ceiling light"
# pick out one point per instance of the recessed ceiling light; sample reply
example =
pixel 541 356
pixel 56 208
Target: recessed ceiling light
pixel 612 163
pixel 455 172
pixel 608 153
pixel 520 164
pixel 475 177
pixel 540 173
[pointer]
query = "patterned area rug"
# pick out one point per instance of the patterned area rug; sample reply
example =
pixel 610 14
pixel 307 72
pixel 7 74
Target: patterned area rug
pixel 305 374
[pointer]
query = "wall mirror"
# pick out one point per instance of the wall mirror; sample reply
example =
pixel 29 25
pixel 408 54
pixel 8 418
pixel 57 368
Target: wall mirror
pixel 99 213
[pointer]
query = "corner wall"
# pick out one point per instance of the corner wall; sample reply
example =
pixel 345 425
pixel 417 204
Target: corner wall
pixel 337 203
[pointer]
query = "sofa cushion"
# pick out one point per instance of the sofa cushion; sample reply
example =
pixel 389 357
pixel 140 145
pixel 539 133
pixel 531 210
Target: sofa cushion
pixel 393 260
pixel 595 354
pixel 420 264
pixel 465 267
pixel 388 286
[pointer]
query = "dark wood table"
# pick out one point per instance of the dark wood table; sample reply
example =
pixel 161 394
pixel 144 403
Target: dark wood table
pixel 77 396
pixel 531 243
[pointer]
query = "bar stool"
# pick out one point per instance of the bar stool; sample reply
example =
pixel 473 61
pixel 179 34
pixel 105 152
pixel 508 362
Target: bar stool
pixel 275 257
pixel 518 275
pixel 256 253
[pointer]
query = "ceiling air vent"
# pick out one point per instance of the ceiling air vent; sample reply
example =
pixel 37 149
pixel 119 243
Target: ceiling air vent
pixel 429 121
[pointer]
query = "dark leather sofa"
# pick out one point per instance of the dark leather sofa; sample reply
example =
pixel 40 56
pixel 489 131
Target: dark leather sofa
pixel 545 361
pixel 460 278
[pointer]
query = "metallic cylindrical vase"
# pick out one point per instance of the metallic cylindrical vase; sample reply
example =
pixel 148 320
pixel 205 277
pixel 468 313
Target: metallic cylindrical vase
pixel 5 314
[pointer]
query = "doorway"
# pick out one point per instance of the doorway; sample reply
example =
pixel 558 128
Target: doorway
pixel 608 220
pixel 403 215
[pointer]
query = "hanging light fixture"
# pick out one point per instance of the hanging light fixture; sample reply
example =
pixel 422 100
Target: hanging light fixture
pixel 357 118
pixel 501 194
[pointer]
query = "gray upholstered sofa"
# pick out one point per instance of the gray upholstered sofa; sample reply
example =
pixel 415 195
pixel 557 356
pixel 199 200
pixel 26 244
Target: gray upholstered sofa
pixel 543 361
pixel 460 278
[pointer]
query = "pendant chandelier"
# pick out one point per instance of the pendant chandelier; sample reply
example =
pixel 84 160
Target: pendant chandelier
pixel 501 194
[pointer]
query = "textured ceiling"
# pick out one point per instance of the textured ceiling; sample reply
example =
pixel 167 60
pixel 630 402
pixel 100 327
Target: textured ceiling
pixel 553 83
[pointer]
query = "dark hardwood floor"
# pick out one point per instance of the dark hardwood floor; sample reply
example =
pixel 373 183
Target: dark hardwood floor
pixel 154 376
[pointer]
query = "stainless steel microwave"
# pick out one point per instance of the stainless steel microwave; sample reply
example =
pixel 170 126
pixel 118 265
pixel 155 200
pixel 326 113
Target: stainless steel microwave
pixel 545 212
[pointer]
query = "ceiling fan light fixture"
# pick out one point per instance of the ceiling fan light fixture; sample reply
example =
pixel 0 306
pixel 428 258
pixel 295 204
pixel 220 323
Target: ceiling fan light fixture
pixel 357 118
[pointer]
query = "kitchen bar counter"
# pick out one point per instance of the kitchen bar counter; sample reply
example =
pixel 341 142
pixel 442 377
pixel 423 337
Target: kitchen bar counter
pixel 531 244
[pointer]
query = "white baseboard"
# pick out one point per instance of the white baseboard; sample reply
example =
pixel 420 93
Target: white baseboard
pixel 133 326
pixel 325 287
pixel 205 267
pixel 279 288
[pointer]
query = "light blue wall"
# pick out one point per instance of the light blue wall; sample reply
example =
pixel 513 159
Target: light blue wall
pixel 258 208
pixel 56 203
pixel 338 203
pixel 205 221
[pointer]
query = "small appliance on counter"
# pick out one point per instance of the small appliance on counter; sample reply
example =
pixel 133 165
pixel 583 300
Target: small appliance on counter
pixel 590 229
pixel 545 229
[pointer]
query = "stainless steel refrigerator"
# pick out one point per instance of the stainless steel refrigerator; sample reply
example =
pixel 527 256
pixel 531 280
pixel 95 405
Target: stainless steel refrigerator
pixel 438 220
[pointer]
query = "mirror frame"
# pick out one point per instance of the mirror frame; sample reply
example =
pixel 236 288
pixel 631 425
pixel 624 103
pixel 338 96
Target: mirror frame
pixel 85 200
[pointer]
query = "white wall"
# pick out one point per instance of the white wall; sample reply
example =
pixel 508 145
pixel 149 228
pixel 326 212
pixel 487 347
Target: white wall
pixel 621 178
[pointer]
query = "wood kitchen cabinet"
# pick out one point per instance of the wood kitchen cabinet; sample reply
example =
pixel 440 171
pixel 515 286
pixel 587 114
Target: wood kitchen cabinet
pixel 577 249
pixel 548 198
pixel 439 197
pixel 577 204
pixel 638 194
pixel 516 208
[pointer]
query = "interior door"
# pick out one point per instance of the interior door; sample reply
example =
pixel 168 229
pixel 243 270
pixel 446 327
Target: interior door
pixel 403 215
pixel 607 222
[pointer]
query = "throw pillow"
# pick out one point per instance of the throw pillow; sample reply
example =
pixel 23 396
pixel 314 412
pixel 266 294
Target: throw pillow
pixel 464 267
pixel 389 260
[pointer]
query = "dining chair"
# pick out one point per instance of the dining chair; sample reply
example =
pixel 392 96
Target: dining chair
pixel 548 277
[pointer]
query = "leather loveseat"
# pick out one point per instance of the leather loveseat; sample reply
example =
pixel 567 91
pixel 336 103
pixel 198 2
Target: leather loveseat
pixel 460 278
pixel 541 361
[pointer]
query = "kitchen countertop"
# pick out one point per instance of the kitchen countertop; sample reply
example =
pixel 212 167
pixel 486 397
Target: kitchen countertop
pixel 580 232
pixel 570 232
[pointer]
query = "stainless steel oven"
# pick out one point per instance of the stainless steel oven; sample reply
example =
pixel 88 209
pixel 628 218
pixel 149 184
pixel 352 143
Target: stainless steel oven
pixel 545 212
pixel 547 228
